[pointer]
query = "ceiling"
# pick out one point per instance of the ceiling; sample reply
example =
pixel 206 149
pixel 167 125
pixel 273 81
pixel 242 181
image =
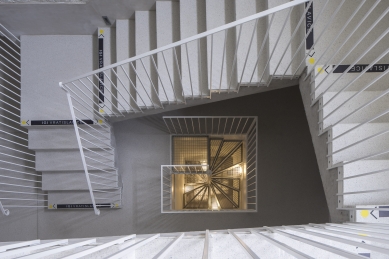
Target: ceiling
pixel 67 19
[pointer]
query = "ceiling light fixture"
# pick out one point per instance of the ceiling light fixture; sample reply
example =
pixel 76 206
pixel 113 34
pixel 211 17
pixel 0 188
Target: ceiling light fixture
pixel 43 1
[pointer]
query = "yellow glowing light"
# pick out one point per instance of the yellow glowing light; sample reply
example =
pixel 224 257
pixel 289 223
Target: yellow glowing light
pixel 364 213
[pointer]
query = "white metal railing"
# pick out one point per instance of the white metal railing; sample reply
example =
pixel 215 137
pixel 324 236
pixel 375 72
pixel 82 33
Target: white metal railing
pixel 348 240
pixel 168 186
pixel 138 84
pixel 141 83
pixel 96 150
pixel 230 129
pixel 338 88
pixel 20 184
pixel 209 125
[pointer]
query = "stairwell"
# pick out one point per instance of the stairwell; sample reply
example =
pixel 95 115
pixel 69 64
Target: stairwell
pixel 349 130
pixel 177 77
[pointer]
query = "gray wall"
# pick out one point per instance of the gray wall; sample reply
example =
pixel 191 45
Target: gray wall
pixel 328 177
pixel 289 186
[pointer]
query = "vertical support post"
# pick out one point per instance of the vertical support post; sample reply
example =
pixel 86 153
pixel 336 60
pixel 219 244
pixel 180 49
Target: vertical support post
pixel 97 211
pixel 206 244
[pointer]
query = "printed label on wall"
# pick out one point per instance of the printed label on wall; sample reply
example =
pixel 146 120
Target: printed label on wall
pixel 308 24
pixel 359 68
pixel 101 64
pixel 58 122
pixel 83 206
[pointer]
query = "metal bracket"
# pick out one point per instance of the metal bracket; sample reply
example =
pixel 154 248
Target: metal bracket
pixel 3 210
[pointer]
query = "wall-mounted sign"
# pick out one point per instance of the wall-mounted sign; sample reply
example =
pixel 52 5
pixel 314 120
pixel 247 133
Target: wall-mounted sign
pixel 57 122
pixel 359 68
pixel 101 64
pixel 308 24
pixel 83 206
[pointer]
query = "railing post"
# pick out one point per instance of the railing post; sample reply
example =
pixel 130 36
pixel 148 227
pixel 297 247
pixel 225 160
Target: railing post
pixel 3 210
pixel 97 211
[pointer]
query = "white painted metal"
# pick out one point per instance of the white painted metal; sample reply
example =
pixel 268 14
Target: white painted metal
pixel 288 240
pixel 340 240
pixel 17 161
pixel 244 245
pixel 97 211
pixel 59 249
pixel 196 37
pixel 169 247
pixel 290 250
pixel 18 245
pixel 319 245
pixel 100 247
pixel 125 249
pixel 206 245
pixel 32 248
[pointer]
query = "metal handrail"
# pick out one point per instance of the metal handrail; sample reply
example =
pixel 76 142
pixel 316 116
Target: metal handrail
pixel 196 37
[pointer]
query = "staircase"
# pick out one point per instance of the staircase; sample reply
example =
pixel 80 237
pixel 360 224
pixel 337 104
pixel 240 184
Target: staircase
pixel 63 177
pixel 188 53
pixel 302 241
pixel 220 188
pixel 349 91
pixel 186 72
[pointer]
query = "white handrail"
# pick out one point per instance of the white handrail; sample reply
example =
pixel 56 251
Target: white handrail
pixel 195 37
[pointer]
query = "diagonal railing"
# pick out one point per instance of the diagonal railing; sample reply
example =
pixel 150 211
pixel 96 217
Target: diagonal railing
pixel 254 51
pixel 141 83
pixel 20 184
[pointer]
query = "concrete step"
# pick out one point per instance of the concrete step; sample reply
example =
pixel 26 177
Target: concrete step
pixel 194 70
pixel 76 180
pixel 277 27
pixel 262 247
pixel 365 148
pixel 363 167
pixel 154 247
pixel 218 13
pixel 379 179
pixel 346 149
pixel 70 160
pixel 335 27
pixel 335 82
pixel 244 8
pixel 318 252
pixel 83 197
pixel 168 31
pixel 221 247
pixel 146 40
pixel 355 134
pixel 125 48
pixel 370 111
pixel 303 247
pixel 62 138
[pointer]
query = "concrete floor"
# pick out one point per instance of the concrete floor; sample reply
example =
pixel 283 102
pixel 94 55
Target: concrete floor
pixel 289 186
